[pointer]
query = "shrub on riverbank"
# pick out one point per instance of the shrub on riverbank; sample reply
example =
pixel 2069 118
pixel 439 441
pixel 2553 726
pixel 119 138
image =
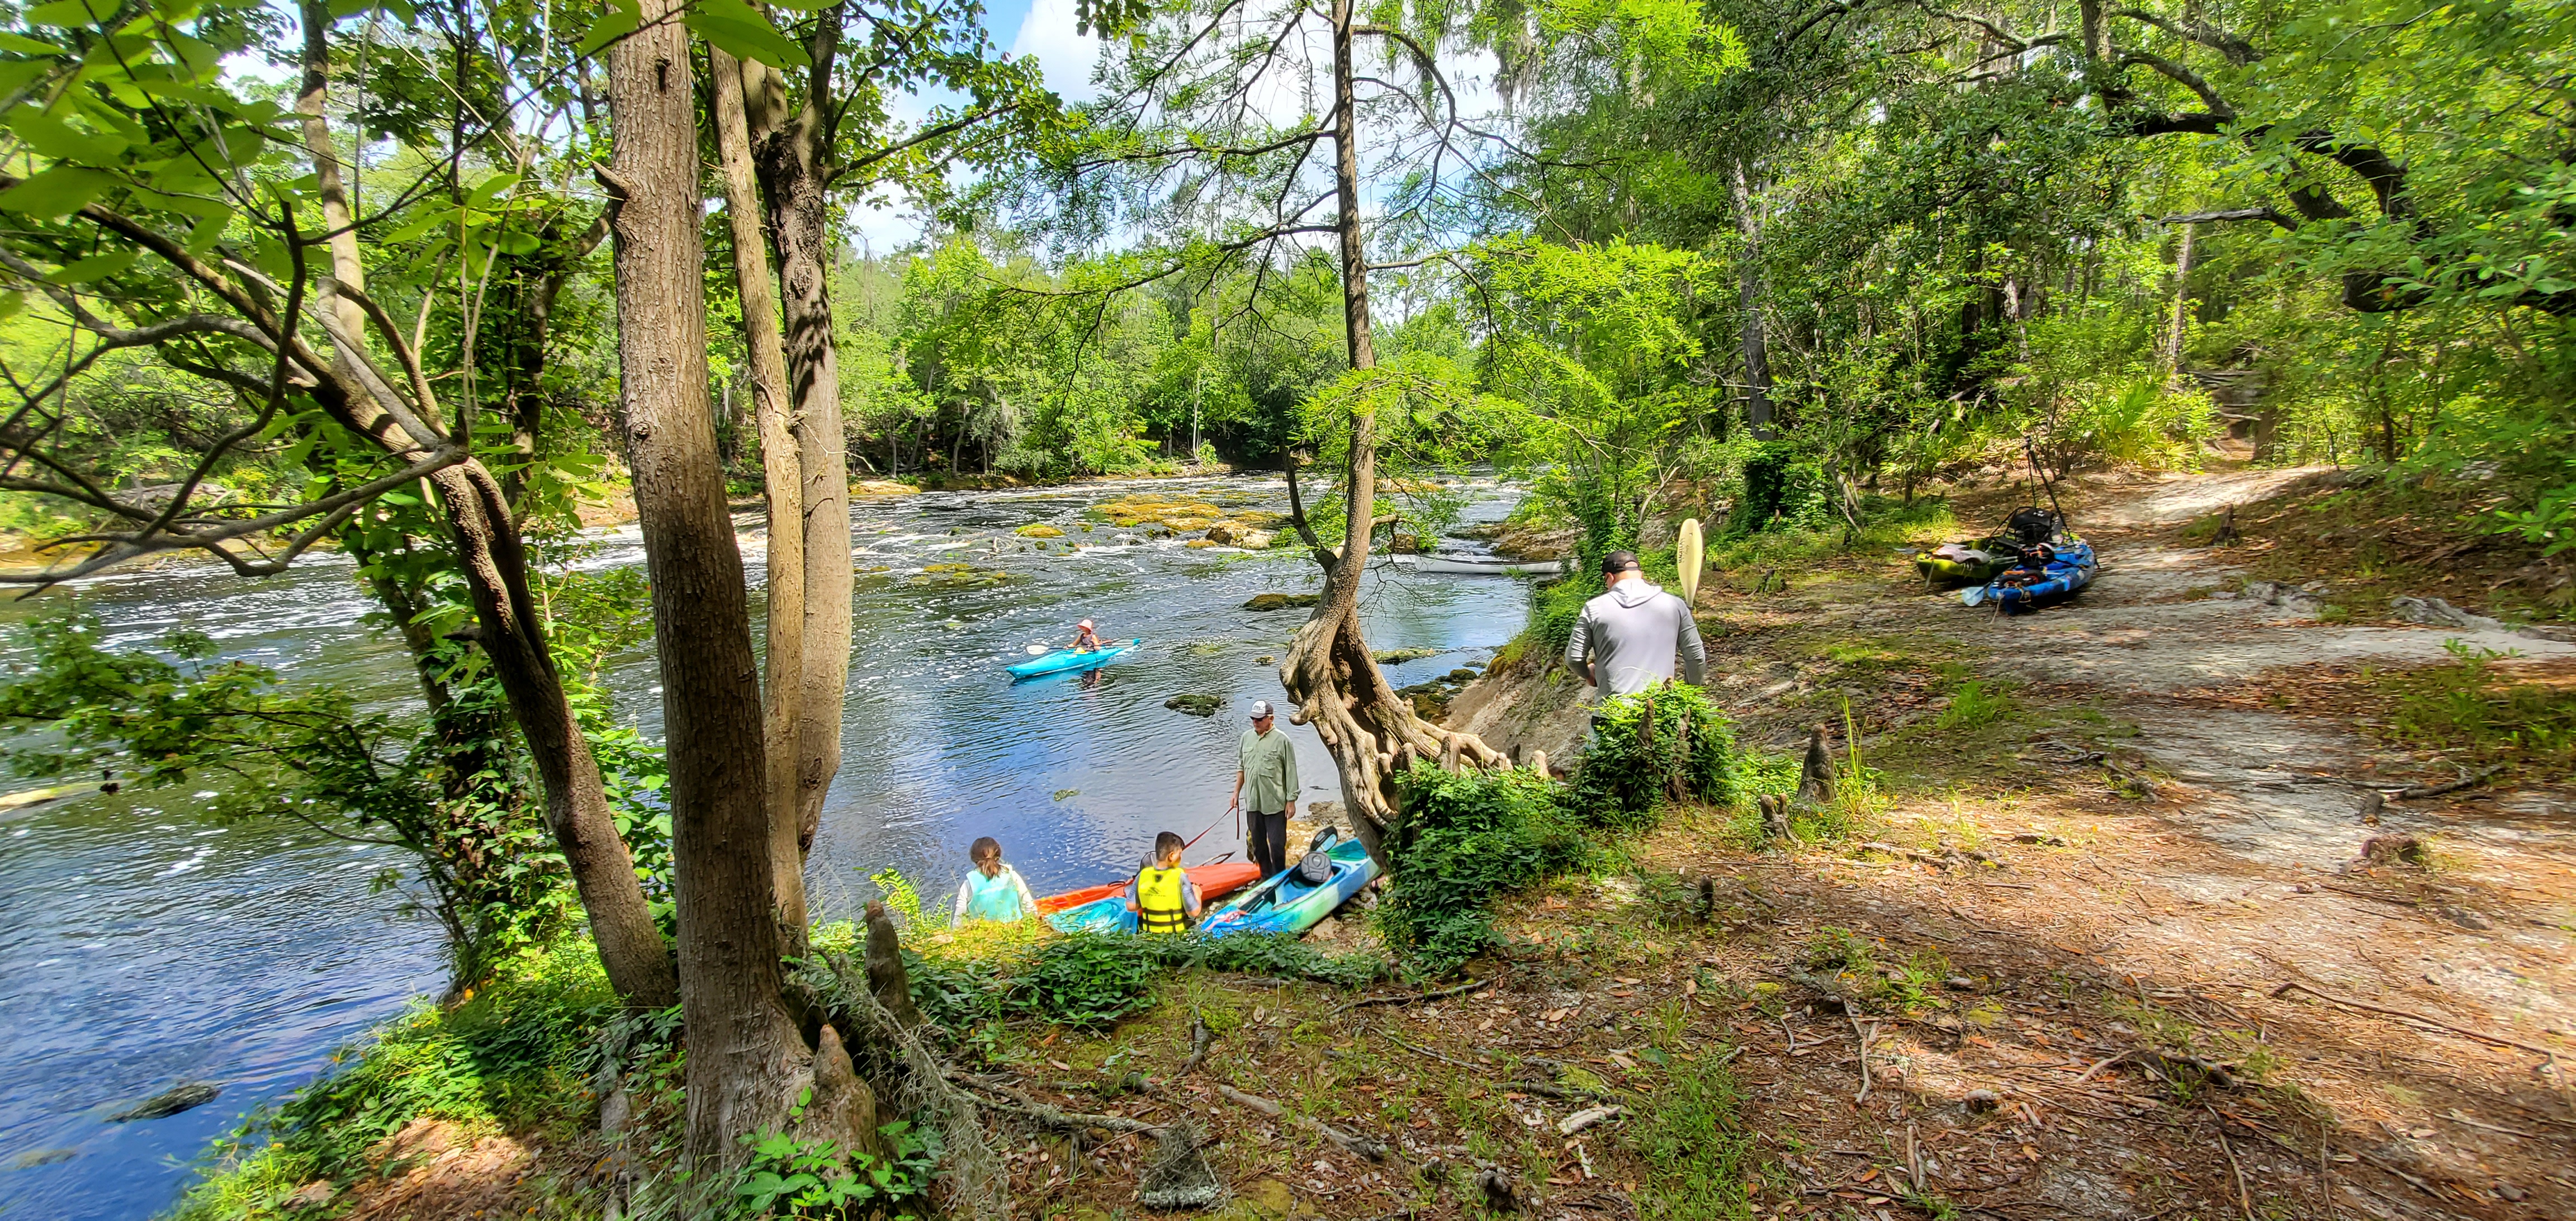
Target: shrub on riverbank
pixel 1462 839
pixel 514 1057
pixel 1672 743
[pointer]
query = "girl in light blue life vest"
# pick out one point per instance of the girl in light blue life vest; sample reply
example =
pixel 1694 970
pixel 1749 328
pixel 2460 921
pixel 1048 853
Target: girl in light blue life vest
pixel 992 890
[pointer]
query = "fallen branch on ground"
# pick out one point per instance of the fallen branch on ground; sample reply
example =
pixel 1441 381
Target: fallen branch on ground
pixel 1864 1037
pixel 1053 1117
pixel 1360 1145
pixel 2422 791
pixel 1201 1039
pixel 1415 998
pixel 2435 1023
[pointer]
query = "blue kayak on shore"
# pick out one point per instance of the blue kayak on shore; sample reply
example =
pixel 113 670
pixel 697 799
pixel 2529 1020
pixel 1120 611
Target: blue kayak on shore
pixel 2067 570
pixel 1064 661
pixel 1287 903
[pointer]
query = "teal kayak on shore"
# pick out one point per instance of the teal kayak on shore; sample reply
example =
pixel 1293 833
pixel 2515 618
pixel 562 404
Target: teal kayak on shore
pixel 1285 902
pixel 1066 660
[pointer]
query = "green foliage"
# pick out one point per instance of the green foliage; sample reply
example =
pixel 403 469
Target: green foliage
pixel 1461 840
pixel 1554 609
pixel 901 897
pixel 2472 708
pixel 1088 979
pixel 1671 743
pixel 514 1055
pixel 1094 979
pixel 797 1180
pixel 1691 1137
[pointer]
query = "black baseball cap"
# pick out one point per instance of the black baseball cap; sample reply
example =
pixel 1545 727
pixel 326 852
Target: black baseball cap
pixel 1619 561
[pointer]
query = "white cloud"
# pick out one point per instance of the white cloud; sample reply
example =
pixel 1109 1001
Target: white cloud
pixel 1065 55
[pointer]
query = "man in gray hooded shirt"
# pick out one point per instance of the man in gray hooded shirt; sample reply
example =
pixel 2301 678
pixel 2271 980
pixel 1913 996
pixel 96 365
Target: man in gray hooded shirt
pixel 1626 639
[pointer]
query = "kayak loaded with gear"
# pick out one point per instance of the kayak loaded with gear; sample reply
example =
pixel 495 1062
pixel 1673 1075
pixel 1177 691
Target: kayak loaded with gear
pixel 1291 901
pixel 2034 561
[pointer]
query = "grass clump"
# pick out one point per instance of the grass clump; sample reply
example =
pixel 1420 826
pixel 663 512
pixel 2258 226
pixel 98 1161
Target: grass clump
pixel 513 1057
pixel 1972 706
pixel 1671 743
pixel 1461 840
pixel 1692 1137
pixel 2470 707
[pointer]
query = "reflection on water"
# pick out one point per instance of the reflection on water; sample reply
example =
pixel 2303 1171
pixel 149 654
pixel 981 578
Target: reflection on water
pixel 140 947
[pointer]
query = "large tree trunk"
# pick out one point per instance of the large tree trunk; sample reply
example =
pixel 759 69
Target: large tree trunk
pixel 631 949
pixel 745 1056
pixel 790 156
pixel 1372 732
pixel 780 461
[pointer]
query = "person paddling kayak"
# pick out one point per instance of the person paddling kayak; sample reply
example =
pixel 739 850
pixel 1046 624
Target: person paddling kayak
pixel 1085 637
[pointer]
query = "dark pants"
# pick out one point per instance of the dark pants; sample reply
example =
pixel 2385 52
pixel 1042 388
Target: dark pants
pixel 1269 836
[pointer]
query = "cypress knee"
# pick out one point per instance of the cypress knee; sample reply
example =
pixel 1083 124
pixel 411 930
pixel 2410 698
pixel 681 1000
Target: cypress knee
pixel 887 977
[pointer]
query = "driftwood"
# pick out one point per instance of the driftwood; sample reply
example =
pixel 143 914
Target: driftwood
pixel 1349 1143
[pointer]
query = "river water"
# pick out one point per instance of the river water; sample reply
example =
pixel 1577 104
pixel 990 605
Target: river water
pixel 141 946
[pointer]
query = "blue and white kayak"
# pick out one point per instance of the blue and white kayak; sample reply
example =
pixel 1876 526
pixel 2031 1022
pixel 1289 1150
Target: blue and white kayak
pixel 1284 904
pixel 1064 661
pixel 2066 572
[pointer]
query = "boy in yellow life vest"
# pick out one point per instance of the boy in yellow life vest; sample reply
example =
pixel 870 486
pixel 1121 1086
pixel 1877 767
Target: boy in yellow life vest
pixel 1163 897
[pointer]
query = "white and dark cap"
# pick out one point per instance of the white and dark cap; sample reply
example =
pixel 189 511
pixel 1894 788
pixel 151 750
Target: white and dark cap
pixel 1619 561
pixel 1260 709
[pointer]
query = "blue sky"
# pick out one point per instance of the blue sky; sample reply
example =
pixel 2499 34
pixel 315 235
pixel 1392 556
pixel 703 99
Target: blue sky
pixel 1043 28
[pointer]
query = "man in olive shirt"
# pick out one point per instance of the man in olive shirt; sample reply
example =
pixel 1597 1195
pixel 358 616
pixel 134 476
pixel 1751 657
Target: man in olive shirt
pixel 1266 759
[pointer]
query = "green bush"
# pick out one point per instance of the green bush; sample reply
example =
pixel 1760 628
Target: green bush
pixel 1460 840
pixel 1785 488
pixel 787 1179
pixel 1669 743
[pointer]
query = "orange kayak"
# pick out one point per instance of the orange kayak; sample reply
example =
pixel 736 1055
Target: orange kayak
pixel 1212 880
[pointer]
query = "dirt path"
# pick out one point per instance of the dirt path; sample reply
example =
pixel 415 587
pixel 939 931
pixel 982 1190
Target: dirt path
pixel 2192 769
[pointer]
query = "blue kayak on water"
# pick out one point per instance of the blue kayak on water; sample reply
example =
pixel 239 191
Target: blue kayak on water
pixel 2064 571
pixel 1064 661
pixel 1286 902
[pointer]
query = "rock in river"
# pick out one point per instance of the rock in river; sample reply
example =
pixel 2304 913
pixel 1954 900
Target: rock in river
pixel 1195 705
pixel 41 1157
pixel 1039 529
pixel 181 1097
pixel 1271 602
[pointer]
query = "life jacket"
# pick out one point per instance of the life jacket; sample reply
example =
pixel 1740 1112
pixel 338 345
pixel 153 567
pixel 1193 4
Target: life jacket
pixel 1159 907
pixel 993 898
